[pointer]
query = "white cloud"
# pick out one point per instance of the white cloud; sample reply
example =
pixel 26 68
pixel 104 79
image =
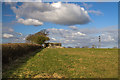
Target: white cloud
pixel 53 39
pixel 60 0
pixel 30 22
pixel 10 36
pixel 109 36
pixel 79 33
pixel 11 30
pixel 87 6
pixel 95 12
pixel 21 1
pixel 56 5
pixel 58 13
pixel 19 33
pixel 5 35
pixel 73 27
pixel 7 29
pixel 65 35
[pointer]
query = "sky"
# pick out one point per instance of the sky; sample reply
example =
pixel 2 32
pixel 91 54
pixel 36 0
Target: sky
pixel 72 23
pixel 60 0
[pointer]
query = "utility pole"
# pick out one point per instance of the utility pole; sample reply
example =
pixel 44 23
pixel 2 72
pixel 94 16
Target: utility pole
pixel 99 42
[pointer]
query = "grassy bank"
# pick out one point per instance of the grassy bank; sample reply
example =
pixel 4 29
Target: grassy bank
pixel 12 51
pixel 67 63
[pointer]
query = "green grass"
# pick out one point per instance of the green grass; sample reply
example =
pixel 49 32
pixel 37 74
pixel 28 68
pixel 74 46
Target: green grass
pixel 66 63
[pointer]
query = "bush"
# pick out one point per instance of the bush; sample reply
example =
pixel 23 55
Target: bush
pixel 12 51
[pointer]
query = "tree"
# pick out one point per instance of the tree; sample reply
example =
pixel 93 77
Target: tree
pixel 43 32
pixel 39 37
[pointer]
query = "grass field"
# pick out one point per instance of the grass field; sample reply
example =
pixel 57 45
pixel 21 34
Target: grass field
pixel 66 63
